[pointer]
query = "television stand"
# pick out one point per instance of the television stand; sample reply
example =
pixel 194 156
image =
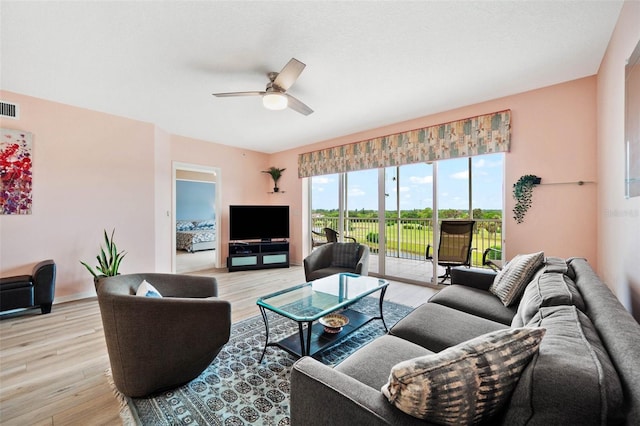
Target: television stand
pixel 249 255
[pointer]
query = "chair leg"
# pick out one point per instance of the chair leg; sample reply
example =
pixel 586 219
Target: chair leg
pixel 45 308
pixel 447 274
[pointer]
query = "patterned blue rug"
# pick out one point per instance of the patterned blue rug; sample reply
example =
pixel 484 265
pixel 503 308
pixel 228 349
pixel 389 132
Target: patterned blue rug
pixel 237 390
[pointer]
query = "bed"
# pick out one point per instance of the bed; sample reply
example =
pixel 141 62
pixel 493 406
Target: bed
pixel 195 235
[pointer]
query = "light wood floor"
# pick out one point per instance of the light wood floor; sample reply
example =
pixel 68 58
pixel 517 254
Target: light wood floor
pixel 52 366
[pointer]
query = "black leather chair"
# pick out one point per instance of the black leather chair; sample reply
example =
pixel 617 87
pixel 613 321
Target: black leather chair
pixel 27 291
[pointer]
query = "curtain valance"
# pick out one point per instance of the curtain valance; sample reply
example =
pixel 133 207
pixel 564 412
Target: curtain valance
pixel 483 134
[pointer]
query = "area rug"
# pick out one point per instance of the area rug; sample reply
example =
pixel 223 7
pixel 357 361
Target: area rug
pixel 238 390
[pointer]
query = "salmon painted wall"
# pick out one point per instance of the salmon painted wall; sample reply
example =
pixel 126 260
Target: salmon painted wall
pixel 553 136
pixel 240 182
pixel 91 171
pixel 618 217
pixel 95 171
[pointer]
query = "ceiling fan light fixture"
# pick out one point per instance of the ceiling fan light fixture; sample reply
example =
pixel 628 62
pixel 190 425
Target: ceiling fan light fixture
pixel 274 101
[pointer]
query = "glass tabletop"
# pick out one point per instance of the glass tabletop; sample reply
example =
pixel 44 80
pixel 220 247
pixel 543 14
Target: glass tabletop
pixel 315 299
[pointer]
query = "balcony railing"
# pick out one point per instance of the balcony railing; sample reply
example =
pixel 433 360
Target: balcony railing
pixel 408 238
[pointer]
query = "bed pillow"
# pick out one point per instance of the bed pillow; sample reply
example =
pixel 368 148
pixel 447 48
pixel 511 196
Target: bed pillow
pixel 464 384
pixel 204 224
pixel 184 225
pixel 147 290
pixel 510 282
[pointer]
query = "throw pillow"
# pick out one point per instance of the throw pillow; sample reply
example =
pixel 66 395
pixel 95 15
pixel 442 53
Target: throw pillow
pixel 345 255
pixel 147 290
pixel 511 281
pixel 464 384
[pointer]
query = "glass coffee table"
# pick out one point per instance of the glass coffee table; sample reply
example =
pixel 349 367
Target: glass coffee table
pixel 307 303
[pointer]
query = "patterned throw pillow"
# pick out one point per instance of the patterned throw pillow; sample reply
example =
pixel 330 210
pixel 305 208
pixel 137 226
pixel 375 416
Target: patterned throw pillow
pixel 511 281
pixel 345 255
pixel 147 290
pixel 464 384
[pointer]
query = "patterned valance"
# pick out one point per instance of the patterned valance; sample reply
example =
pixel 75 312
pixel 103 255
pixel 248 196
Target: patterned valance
pixel 483 134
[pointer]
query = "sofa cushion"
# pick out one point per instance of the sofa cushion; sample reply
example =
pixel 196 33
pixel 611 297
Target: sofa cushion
pixel 547 289
pixel 513 278
pixel 437 327
pixel 371 363
pixel 474 301
pixel 345 255
pixel 571 380
pixel 464 384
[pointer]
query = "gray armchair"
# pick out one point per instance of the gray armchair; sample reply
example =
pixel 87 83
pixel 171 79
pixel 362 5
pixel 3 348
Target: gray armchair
pixel 329 259
pixel 160 343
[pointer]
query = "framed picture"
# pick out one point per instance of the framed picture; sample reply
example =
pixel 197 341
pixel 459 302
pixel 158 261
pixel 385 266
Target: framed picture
pixel 632 124
pixel 15 172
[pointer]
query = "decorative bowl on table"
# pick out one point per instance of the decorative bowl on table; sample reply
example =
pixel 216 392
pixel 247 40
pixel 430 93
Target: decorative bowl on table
pixel 333 323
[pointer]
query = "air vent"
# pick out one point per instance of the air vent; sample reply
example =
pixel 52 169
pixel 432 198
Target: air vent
pixel 8 109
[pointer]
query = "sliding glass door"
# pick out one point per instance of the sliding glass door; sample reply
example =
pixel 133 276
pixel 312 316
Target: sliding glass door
pixel 393 210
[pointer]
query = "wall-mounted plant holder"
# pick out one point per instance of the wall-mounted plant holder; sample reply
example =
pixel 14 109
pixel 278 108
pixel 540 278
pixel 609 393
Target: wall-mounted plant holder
pixel 523 194
pixel 275 174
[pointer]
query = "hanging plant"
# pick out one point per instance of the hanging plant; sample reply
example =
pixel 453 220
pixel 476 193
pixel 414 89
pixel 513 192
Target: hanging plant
pixel 276 174
pixel 523 194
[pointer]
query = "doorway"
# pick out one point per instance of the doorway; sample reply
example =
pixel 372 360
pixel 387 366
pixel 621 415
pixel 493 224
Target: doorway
pixel 196 213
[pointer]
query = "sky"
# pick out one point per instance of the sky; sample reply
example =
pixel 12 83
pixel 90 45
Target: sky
pixel 415 189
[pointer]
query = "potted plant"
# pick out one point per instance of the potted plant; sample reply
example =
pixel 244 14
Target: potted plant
pixel 276 174
pixel 109 259
pixel 523 194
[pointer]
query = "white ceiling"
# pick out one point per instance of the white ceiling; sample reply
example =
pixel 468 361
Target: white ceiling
pixel 368 63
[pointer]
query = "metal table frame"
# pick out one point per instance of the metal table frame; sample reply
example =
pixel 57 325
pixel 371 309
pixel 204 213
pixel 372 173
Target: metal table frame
pixel 302 345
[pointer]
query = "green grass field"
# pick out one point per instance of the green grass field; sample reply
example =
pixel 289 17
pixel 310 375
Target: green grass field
pixel 413 238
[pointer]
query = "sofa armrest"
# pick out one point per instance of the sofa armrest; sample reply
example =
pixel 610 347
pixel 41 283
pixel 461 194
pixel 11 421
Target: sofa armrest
pixel 44 283
pixel 321 395
pixel 362 267
pixel 473 277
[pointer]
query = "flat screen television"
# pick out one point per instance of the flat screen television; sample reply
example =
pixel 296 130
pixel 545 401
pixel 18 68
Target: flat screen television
pixel 258 222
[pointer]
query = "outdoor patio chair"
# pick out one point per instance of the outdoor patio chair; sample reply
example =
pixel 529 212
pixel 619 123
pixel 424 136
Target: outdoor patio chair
pixel 492 258
pixel 455 248
pixel 332 236
pixel 317 239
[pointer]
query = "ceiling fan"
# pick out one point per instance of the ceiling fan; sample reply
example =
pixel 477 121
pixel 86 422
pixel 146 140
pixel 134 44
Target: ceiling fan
pixel 275 96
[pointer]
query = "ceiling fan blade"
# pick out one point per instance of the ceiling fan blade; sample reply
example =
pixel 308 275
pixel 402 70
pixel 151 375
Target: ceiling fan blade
pixel 289 74
pixel 230 94
pixel 298 106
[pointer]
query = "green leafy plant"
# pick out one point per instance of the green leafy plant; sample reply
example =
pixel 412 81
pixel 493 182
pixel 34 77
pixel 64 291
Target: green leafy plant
pixel 523 194
pixel 109 258
pixel 276 174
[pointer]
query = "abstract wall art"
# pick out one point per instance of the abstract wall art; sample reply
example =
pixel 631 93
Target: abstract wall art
pixel 16 153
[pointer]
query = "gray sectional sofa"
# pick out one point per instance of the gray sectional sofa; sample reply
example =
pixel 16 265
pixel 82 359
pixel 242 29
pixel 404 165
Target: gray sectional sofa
pixel 586 370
